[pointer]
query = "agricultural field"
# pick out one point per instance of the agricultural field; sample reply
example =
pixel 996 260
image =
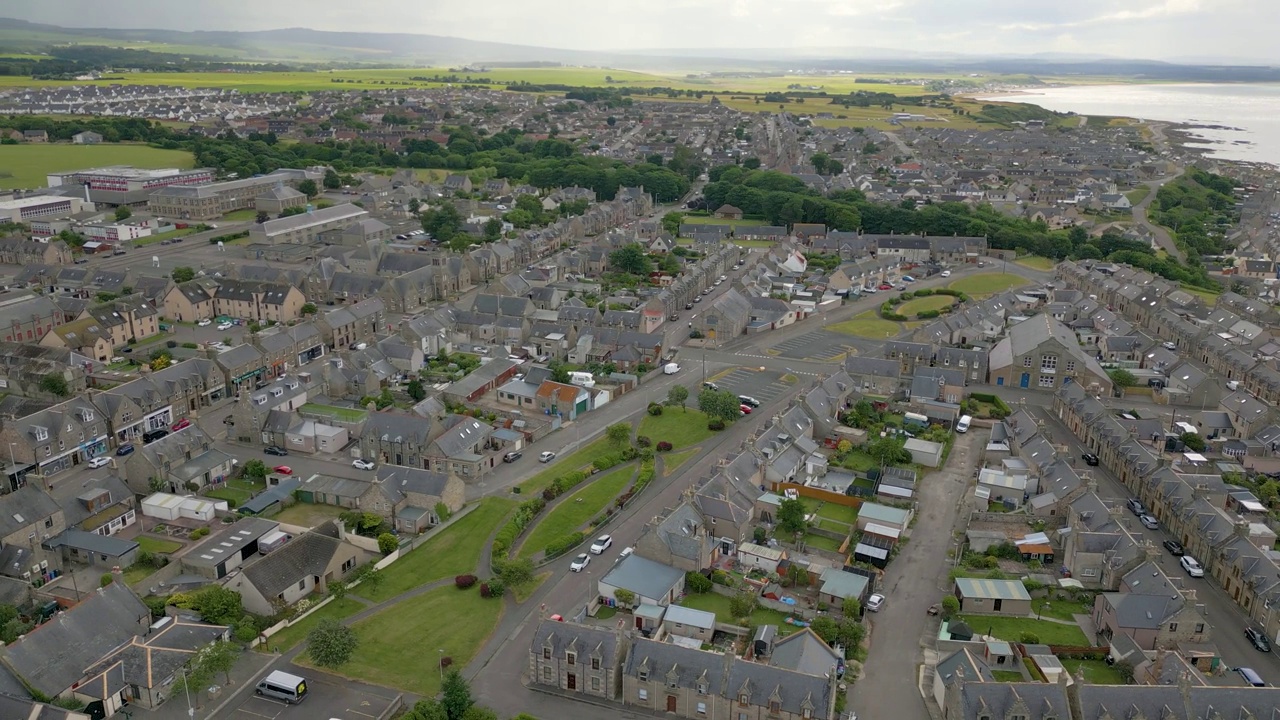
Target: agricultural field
pixel 26 166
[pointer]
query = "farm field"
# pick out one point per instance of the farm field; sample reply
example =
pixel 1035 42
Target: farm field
pixel 26 166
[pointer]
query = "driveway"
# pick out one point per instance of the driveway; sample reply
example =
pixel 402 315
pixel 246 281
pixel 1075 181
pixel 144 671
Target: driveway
pixel 889 686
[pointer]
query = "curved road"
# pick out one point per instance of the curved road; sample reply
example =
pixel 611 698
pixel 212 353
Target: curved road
pixel 1162 236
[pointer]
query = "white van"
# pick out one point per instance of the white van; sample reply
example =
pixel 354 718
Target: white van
pixel 671 368
pixel 962 425
pixel 283 686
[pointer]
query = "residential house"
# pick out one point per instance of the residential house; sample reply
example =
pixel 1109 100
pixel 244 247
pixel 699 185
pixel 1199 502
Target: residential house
pixel 578 659
pixel 1041 352
pixel 302 565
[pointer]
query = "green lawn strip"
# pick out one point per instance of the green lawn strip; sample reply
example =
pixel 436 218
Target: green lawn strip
pixel 867 325
pixel 1061 609
pixel 560 466
pixel 1096 672
pixel 296 633
pixel 857 460
pixel 240 215
pixel 453 551
pixel 575 511
pixel 987 283
pixel 307 514
pixel 833 525
pixel 156 545
pixel 1138 194
pixel 524 591
pixel 842 513
pixel 1206 296
pixel 401 646
pixel 1011 629
pixel 681 428
pixel 341 413
pixel 231 495
pixel 1035 262
pixel 918 305
pixel 135 573
pixel 822 543
pixel 719 604
pixel 672 461
pixel 1007 676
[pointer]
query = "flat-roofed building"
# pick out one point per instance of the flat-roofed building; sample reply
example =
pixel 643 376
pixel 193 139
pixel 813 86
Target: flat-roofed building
pixel 305 228
pixel 34 207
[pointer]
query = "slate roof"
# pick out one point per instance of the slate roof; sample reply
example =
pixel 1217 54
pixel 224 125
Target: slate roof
pixel 804 652
pixel 643 576
pixel 306 554
pixel 587 641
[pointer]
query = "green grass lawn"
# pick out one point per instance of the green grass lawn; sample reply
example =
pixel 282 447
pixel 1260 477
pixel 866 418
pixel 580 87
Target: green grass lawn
pixel 987 283
pixel 867 325
pixel 1007 676
pixel 156 545
pixel 1207 297
pixel 401 646
pixel 858 460
pixel 1061 609
pixel 136 572
pixel 1035 262
pixel 453 551
pixel 524 591
pixel 719 604
pixel 296 633
pixel 842 513
pixel 577 510
pixel 1096 672
pixel 833 525
pixel 560 466
pixel 1011 629
pixel 341 413
pixel 234 497
pixel 240 215
pixel 307 514
pixel 161 237
pixel 672 461
pixel 681 428
pixel 924 304
pixel 822 543
pixel 1138 194
pixel 27 166
pixel 709 220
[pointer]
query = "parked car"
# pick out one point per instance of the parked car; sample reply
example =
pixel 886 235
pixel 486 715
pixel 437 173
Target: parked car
pixel 1192 566
pixel 697 298
pixel 362 464
pixel 745 409
pixel 580 563
pixel 688 306
pixel 283 469
pixel 875 602
pixel 99 462
pixel 154 435
pixel 626 553
pixel 124 449
pixel 748 400
pixel 1089 459
pixel 1258 639
pixel 884 286
pixel 512 456
pixel 1174 547
pixel 273 450
pixel 710 385
pixel 1149 522
pixel 869 289
pixel 908 279
pixel 546 456
pixel 181 424
pixel 205 322
pixel 602 543
pixel 945 273
pixel 1136 507
pixel 224 326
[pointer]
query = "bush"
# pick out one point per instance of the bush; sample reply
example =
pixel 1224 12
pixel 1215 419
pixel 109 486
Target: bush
pixel 759 536
pixel 1028 638
pixel 665 446
pixel 387 543
pixel 606 461
pixel 201 532
pixel 494 588
pixel 190 346
pixel 655 409
pixel 106 579
pixel 559 547
pixel 464 581
pixel 643 441
pixel 644 478
pixel 697 582
pixel 715 424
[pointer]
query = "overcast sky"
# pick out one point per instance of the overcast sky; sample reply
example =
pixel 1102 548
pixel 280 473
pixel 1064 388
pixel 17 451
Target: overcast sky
pixel 1158 29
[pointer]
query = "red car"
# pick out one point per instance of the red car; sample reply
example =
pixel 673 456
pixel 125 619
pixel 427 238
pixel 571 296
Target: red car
pixel 183 423
pixel 283 469
pixel 746 409
pixel 885 286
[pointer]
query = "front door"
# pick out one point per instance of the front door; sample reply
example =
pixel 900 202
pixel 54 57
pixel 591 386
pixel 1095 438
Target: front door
pixel 1025 381
pixel 573 681
pixel 671 703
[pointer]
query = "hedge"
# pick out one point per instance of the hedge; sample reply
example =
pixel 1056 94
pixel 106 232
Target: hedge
pixel 520 520
pixel 606 461
pixel 464 581
pixel 564 544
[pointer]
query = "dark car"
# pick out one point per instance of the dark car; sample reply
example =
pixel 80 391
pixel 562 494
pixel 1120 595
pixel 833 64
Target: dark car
pixel 512 457
pixel 1258 639
pixel 1136 507
pixel 1090 459
pixel 1174 547
pixel 124 449
pixel 688 306
pixel 273 450
pixel 154 435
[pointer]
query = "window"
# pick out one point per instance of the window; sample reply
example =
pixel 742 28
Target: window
pixel 546 674
pixel 1026 361
pixel 702 688
pixel 702 708
pixel 1199 627
pixel 743 700
pixel 643 675
pixel 570 658
pixel 806 713
pixel 48 522
pixel 673 683
pixel 1045 381
pixel 302 584
pixel 595 683
pixel 1049 363
pixel 42 434
pixel 1071 366
pixel 775 707
pixel 546 653
pixel 595 663
pixel 1173 627
pixel 643 694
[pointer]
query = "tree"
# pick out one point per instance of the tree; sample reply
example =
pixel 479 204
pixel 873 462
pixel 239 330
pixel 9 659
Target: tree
pixel 416 390
pixel 791 516
pixel 950 606
pixel 309 309
pixel 262 217
pixel 55 384
pixel 493 230
pixel 825 627
pixel 255 469
pixel 751 163
pixel 331 179
pixel 696 582
pixel 219 605
pixel 719 404
pixel 183 274
pixel 219 658
pixel 387 543
pixel 330 643
pixel 889 450
pixel 851 607
pixel 1193 441
pixel 677 395
pixel 308 187
pixel 194 679
pixel 455 695
pixel 624 597
pixel 443 222
pixel 513 572
pixel 1122 378
pixel 370 577
pixel 479 712
pixel 671 223
pixel 743 604
pixel 619 434
pixel 123 213
pixel 631 259
pixel 429 709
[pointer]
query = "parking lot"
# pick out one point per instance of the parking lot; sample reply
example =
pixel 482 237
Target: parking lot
pixel 761 385
pixel 817 345
pixel 327 697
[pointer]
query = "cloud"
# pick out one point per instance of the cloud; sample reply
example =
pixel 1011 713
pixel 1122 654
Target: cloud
pixel 1166 8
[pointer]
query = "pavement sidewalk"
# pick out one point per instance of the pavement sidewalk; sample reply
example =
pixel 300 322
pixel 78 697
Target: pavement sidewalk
pixel 244 676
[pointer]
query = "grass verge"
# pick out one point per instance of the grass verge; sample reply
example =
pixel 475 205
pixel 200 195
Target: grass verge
pixel 1096 672
pixel 987 283
pixel 576 461
pixel 296 633
pixel 576 510
pixel 524 591
pixel 156 545
pixel 867 325
pixel 681 428
pixel 672 461
pixel 1012 629
pixel 1035 262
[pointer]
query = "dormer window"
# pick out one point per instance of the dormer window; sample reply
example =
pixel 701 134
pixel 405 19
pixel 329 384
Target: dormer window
pixel 702 688
pixel 775 707
pixel 673 682
pixel 595 663
pixel 643 675
pixel 546 653
pixel 42 434
pixel 743 700
pixel 571 658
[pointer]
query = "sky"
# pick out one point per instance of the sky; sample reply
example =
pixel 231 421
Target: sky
pixel 1151 29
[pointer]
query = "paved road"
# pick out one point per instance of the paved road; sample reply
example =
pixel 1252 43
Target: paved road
pixel 1161 235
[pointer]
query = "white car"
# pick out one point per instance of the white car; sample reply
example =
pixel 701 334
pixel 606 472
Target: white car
pixel 1192 566
pixel 205 322
pixel 224 326
pixel 946 273
pixel 580 562
pixel 99 462
pixel 363 464
pixel 626 553
pixel 601 544
pixel 875 602
pixel 546 456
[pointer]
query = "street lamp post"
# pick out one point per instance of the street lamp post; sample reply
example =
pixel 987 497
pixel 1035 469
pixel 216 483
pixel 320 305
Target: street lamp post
pixel 441 664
